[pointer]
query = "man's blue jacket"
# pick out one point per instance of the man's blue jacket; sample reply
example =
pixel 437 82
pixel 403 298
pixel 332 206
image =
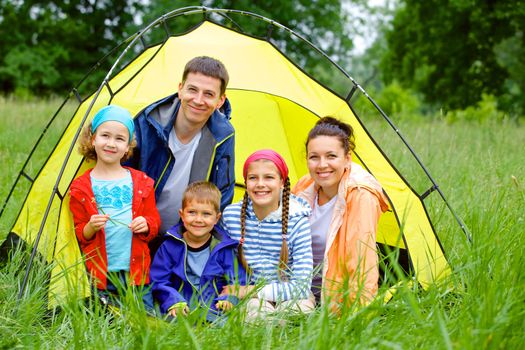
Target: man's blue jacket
pixel 170 284
pixel 213 160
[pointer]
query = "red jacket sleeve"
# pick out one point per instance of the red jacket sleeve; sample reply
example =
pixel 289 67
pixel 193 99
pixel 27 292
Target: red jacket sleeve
pixel 81 217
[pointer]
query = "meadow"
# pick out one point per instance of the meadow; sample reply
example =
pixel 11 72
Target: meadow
pixel 480 167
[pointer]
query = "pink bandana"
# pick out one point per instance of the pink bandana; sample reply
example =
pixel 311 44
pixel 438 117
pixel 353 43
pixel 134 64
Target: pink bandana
pixel 269 155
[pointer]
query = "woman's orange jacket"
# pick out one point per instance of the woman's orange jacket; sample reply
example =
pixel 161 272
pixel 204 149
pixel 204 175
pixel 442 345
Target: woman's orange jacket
pixel 350 268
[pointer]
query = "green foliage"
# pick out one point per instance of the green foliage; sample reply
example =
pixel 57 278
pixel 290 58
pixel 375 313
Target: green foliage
pixel 484 110
pixel 32 69
pixel 375 21
pixel 510 53
pixel 49 46
pixel 398 102
pixel 454 51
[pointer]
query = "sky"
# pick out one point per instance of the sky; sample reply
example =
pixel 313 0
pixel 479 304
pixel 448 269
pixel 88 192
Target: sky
pixel 364 40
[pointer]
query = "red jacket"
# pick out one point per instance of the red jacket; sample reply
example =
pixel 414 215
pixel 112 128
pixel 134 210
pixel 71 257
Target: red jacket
pixel 83 206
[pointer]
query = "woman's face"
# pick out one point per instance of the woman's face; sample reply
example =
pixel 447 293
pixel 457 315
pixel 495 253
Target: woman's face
pixel 326 160
pixel 263 184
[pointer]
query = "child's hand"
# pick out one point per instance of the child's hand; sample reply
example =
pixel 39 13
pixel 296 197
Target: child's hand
pixel 224 305
pixel 179 309
pixel 239 291
pixel 95 223
pixel 139 225
pixel 98 221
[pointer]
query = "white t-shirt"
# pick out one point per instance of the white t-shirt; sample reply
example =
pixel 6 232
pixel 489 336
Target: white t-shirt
pixel 320 223
pixel 170 200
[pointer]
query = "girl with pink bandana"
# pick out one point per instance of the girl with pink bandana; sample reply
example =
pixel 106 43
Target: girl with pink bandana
pixel 274 237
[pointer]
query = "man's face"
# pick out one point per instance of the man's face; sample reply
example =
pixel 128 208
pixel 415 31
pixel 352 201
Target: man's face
pixel 200 95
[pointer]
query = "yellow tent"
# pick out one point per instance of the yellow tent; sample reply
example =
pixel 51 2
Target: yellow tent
pixel 275 103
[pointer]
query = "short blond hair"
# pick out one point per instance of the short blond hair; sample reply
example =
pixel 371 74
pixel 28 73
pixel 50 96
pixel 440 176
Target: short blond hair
pixel 202 192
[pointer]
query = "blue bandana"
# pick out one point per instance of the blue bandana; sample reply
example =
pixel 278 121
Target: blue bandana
pixel 114 113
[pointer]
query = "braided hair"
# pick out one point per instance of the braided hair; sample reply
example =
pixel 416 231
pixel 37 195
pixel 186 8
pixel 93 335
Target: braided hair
pixel 279 162
pixel 283 258
pixel 242 258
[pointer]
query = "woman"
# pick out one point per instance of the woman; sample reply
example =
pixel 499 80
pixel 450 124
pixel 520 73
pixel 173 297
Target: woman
pixel 346 204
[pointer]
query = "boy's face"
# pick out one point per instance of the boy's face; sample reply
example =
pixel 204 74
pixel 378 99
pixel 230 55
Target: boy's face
pixel 199 219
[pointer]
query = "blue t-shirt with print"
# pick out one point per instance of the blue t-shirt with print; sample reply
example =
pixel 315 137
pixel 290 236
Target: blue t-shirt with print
pixel 114 197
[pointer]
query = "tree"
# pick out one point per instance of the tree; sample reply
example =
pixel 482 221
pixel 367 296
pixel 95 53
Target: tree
pixel 450 50
pixel 49 46
pixel 365 60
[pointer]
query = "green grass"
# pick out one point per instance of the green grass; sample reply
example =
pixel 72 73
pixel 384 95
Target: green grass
pixel 479 167
pixel 22 123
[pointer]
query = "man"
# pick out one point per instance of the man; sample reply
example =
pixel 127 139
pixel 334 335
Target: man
pixel 187 137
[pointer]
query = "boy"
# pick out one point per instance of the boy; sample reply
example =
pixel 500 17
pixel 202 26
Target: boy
pixel 197 258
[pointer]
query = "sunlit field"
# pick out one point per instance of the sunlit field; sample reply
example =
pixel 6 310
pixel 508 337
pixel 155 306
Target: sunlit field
pixel 480 167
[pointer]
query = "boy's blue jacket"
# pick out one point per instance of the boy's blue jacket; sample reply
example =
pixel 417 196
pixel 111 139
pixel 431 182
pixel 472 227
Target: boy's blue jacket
pixel 214 158
pixel 170 284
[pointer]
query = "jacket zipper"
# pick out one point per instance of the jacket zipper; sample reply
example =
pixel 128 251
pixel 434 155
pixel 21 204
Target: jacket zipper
pixel 164 170
pixel 213 156
pixel 185 266
pixel 185 260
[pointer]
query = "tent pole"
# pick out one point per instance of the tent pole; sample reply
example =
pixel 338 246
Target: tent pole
pixel 138 36
pixel 105 82
pixel 416 157
pixel 53 193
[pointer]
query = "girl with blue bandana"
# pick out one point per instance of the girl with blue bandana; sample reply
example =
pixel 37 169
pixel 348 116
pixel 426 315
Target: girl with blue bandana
pixel 114 209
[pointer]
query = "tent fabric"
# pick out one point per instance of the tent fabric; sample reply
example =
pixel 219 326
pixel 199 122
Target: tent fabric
pixel 274 106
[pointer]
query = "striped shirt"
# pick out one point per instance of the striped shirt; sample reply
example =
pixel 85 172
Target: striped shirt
pixel 262 248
